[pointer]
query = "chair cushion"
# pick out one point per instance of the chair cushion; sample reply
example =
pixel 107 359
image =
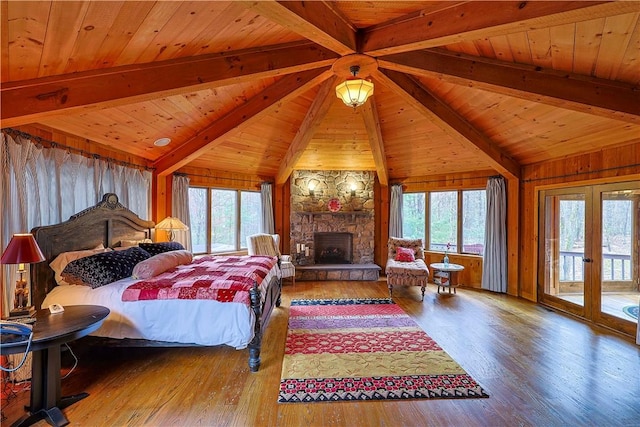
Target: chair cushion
pixel 413 268
pixel 404 255
pixel 288 269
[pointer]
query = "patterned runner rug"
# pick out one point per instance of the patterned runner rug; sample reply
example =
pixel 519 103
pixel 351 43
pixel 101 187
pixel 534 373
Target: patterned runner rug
pixel 365 349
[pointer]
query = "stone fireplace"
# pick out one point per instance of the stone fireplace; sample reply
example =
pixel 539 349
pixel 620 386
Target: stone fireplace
pixel 340 242
pixel 333 248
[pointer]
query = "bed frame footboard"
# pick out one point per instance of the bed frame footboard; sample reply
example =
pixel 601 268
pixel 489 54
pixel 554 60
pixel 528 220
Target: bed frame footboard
pixel 262 314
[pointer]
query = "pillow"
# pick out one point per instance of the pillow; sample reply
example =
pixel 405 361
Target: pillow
pixel 160 263
pixel 160 247
pixel 61 261
pixel 100 269
pixel 404 255
pixel 129 243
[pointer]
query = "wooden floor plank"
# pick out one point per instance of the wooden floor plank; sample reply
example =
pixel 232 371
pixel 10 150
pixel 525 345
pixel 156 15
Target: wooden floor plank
pixel 539 367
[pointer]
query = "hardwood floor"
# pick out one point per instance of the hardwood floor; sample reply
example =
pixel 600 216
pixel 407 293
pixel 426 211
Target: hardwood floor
pixel 540 368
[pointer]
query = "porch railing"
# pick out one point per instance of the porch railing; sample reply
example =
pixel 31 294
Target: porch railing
pixel 614 267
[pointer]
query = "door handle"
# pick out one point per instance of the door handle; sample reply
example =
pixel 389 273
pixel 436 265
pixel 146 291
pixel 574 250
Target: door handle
pixel 587 260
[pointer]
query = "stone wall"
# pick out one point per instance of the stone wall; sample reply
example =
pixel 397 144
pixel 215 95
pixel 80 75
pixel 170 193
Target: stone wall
pixel 310 212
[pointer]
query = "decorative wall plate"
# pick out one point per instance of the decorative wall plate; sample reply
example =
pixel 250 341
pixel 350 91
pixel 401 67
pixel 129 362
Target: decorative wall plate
pixel 334 205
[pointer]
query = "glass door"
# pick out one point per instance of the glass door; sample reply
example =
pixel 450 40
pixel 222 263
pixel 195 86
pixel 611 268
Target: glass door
pixel 589 253
pixel 565 249
pixel 618 286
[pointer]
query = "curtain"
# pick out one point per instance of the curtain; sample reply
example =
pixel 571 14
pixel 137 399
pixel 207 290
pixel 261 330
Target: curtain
pixel 395 211
pixel 180 208
pixel 266 194
pixel 494 273
pixel 43 186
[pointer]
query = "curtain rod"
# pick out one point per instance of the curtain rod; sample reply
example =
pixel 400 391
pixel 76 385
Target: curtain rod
pixel 54 144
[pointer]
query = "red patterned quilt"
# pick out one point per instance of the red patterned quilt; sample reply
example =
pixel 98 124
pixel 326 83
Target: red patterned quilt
pixel 219 278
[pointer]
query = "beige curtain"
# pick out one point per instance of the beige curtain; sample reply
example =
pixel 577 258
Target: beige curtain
pixel 494 270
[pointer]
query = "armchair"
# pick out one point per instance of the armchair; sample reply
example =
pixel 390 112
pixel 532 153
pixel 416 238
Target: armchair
pixel 410 272
pixel 269 244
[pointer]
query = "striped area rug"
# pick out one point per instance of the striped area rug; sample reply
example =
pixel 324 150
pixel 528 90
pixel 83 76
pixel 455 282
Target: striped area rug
pixel 365 349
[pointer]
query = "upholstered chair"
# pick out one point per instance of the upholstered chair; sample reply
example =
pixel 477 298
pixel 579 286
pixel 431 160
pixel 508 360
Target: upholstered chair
pixel 405 264
pixel 269 245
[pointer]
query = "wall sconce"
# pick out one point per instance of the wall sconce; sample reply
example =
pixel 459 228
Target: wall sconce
pixel 312 187
pixel 353 190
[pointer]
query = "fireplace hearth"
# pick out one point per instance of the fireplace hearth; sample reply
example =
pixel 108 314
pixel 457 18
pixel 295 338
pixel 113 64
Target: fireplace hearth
pixel 333 248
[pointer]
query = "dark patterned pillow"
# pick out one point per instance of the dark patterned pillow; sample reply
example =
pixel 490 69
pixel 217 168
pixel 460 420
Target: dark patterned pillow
pixel 100 269
pixel 160 247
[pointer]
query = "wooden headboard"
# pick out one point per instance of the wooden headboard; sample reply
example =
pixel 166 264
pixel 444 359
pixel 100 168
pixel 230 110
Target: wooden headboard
pixel 108 223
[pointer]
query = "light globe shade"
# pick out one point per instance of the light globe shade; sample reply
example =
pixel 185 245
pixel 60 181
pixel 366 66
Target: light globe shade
pixel 354 92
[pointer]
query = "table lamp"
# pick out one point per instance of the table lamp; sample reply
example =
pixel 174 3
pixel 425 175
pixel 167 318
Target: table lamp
pixel 22 249
pixel 170 224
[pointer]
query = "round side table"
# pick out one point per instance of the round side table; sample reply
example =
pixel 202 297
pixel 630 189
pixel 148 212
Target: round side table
pixel 446 275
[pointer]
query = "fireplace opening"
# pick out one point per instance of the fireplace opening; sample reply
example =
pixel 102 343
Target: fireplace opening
pixel 333 248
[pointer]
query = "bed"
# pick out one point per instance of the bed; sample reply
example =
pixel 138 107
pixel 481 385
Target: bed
pixel 155 322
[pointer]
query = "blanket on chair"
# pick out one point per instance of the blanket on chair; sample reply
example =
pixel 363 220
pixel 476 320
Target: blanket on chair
pixel 219 278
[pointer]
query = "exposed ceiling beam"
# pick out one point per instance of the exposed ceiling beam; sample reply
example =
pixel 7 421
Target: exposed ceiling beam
pixel 449 121
pixel 307 129
pixel 287 88
pixel 479 19
pixel 314 20
pixel 602 97
pixel 372 124
pixel 26 101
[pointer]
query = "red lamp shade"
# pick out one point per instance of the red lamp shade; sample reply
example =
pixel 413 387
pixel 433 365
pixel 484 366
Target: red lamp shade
pixel 22 249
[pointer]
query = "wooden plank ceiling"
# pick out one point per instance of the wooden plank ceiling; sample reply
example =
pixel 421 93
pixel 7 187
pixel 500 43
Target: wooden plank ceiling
pixel 248 87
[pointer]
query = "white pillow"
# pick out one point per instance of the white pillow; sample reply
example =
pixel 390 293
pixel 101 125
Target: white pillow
pixel 160 263
pixel 61 261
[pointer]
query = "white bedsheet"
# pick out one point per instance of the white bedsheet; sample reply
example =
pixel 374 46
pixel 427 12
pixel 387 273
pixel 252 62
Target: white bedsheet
pixel 202 322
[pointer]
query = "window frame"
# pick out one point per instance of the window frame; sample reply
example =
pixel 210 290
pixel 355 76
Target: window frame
pixel 459 219
pixel 239 244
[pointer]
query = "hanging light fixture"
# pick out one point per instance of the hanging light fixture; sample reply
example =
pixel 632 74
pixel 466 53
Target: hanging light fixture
pixel 354 91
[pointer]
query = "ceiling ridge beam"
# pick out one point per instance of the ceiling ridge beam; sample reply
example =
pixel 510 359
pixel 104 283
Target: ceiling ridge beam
pixel 312 120
pixel 476 20
pixel 591 95
pixel 26 101
pixel 314 20
pixel 374 131
pixel 450 121
pixel 263 103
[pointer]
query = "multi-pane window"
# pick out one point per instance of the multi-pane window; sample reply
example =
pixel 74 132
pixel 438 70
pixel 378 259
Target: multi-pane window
pixel 446 218
pixel 222 219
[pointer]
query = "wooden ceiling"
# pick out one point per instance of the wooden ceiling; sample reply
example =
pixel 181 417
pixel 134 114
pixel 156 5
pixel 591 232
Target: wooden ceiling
pixel 249 87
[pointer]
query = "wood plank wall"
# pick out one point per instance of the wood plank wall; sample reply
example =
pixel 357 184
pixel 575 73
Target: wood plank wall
pixel 606 166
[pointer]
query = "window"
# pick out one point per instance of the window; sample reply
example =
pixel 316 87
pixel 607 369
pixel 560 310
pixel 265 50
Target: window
pixel 221 219
pixel 474 213
pixel 446 217
pixel 413 214
pixel 443 221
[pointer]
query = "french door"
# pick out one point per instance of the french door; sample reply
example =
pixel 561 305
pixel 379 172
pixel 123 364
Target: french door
pixel 589 245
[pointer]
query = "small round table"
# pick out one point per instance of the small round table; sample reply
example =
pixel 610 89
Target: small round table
pixel 446 275
pixel 49 332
